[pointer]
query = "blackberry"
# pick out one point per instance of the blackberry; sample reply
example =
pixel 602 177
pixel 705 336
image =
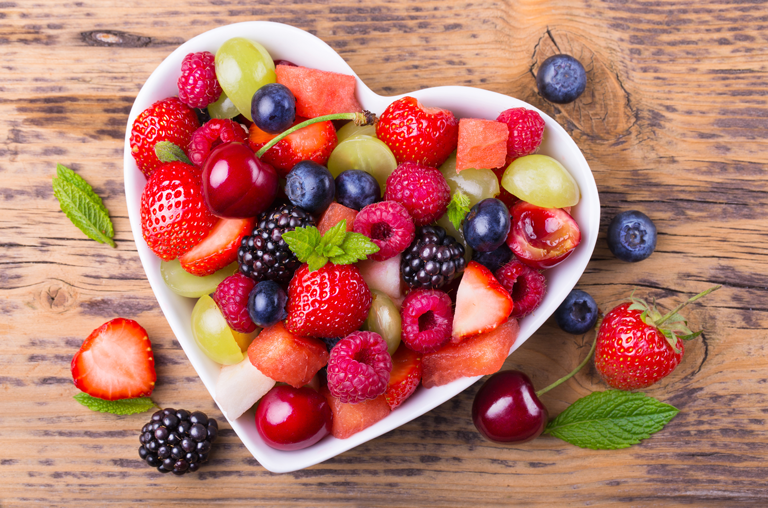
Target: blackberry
pixel 433 259
pixel 177 441
pixel 264 255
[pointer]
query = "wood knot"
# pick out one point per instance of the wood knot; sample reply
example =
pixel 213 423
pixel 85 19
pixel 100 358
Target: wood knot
pixel 57 297
pixel 115 38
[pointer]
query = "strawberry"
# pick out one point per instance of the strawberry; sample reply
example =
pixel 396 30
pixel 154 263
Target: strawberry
pixel 405 376
pixel 166 120
pixel 312 143
pixel 115 362
pixel 482 303
pixel 174 216
pixel 218 249
pixel 634 350
pixel 330 302
pixel 416 133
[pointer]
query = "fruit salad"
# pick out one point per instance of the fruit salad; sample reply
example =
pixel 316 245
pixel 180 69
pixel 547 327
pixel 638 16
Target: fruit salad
pixel 341 260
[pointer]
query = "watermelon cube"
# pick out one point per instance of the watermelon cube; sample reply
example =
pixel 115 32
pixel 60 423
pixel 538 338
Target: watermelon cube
pixel 349 419
pixel 319 92
pixel 335 214
pixel 285 357
pixel 482 144
pixel 476 356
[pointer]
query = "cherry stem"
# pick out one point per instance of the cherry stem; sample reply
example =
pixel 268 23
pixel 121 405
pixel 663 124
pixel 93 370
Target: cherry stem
pixel 364 118
pixel 573 372
pixel 690 300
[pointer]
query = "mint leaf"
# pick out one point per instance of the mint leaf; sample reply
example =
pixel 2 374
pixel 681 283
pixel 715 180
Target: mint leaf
pixel 168 152
pixel 610 420
pixel 116 407
pixel 316 262
pixel 82 206
pixel 458 208
pixel 331 251
pixel 356 247
pixel 302 241
pixel 336 235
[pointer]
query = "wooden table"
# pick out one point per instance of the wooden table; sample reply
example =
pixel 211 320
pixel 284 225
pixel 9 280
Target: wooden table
pixel 673 123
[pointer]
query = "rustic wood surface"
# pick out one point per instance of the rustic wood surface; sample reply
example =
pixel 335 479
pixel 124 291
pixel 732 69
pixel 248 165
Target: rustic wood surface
pixel 673 122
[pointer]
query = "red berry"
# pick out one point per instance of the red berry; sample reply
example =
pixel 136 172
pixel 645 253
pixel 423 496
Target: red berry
pixel 166 120
pixel 405 376
pixel 388 225
pixel 312 143
pixel 218 249
pixel 231 296
pixel 359 367
pixel 330 302
pixel 526 130
pixel 174 216
pixel 215 132
pixel 416 133
pixel 422 190
pixel 525 285
pixel 427 320
pixel 197 84
pixel 290 418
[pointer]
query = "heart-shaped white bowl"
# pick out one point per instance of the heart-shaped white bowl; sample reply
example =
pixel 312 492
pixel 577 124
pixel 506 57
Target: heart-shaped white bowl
pixel 290 43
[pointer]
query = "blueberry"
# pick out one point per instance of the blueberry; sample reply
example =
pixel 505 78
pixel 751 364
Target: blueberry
pixel 487 225
pixel 357 189
pixel 266 303
pixel 494 259
pixel 577 314
pixel 631 236
pixel 273 108
pixel 561 79
pixel 310 186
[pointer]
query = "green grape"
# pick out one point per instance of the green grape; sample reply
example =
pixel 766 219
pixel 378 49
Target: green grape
pixel 242 67
pixel 184 283
pixel 477 184
pixel 350 130
pixel 384 319
pixel 458 234
pixel 212 333
pixel 541 181
pixel 366 153
pixel 223 108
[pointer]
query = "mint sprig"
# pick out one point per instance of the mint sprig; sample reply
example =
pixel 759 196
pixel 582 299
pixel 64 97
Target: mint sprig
pixel 82 206
pixel 458 208
pixel 116 407
pixel 611 420
pixel 337 246
pixel 169 152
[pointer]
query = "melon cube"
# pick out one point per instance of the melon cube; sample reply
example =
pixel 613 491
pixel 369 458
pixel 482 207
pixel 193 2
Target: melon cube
pixel 349 419
pixel 334 214
pixel 476 356
pixel 482 144
pixel 319 92
pixel 285 357
pixel 239 387
pixel 383 276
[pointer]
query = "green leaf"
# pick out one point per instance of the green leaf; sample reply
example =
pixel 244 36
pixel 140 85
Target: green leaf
pixel 82 206
pixel 610 420
pixel 330 251
pixel 168 152
pixel 316 262
pixel 116 407
pixel 356 247
pixel 458 208
pixel 335 235
pixel 302 241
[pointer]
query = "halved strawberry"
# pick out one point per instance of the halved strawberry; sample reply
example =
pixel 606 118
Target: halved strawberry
pixel 482 303
pixel 312 143
pixel 219 248
pixel 115 362
pixel 405 375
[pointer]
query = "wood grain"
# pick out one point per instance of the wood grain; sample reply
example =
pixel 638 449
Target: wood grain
pixel 674 122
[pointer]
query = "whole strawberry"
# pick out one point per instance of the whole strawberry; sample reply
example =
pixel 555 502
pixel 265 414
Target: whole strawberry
pixel 166 120
pixel 174 216
pixel 330 302
pixel 637 346
pixel 416 133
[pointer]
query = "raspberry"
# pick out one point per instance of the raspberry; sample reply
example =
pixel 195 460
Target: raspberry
pixel 231 296
pixel 422 190
pixel 211 135
pixel 427 320
pixel 526 129
pixel 388 225
pixel 359 367
pixel 197 84
pixel 525 285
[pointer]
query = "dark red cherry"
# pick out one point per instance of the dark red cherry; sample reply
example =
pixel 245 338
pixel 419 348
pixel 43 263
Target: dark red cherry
pixel 542 237
pixel 236 183
pixel 507 410
pixel 291 418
